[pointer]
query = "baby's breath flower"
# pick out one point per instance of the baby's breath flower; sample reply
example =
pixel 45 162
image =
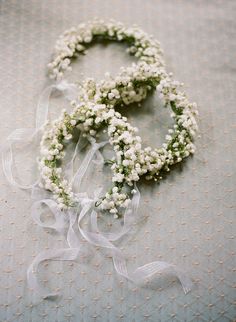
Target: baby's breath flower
pixel 95 107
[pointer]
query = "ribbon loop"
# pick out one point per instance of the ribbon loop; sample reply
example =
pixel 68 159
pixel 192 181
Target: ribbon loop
pixel 67 89
pixel 25 135
pixel 19 135
pixel 59 216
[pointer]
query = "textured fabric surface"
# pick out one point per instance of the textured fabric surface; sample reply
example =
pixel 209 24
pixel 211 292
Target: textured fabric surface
pixel 189 216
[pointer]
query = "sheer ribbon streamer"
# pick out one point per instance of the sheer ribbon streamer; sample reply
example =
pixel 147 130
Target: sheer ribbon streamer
pixel 67 221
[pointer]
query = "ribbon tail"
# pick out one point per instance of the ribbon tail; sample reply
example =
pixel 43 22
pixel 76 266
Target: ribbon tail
pixel 141 273
pixel 159 267
pixel 72 238
pixel 63 254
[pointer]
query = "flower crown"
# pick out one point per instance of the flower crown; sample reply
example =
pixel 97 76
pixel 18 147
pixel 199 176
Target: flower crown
pixel 95 107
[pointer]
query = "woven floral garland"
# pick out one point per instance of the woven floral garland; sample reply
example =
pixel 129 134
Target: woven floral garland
pixel 95 108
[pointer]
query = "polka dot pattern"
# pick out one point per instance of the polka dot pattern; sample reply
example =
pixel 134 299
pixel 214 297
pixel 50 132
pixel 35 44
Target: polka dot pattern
pixel 187 219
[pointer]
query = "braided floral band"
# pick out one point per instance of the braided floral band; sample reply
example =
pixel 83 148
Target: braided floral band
pixel 95 109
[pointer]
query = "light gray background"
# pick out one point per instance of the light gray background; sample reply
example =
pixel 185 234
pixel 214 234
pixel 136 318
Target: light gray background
pixel 189 217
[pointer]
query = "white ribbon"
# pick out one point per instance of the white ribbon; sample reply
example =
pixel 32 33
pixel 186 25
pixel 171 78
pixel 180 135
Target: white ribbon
pixel 69 91
pixel 19 135
pixel 62 254
pixel 96 237
pixel 26 135
pixel 59 225
pixel 94 150
pixel 37 210
pixel 69 218
pixel 103 240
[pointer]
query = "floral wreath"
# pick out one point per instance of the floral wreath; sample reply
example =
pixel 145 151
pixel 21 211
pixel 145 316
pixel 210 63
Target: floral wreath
pixel 95 108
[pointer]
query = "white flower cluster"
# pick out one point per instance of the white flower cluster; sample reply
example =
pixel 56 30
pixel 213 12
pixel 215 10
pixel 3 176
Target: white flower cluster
pixel 95 108
pixel 114 200
pixel 74 41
